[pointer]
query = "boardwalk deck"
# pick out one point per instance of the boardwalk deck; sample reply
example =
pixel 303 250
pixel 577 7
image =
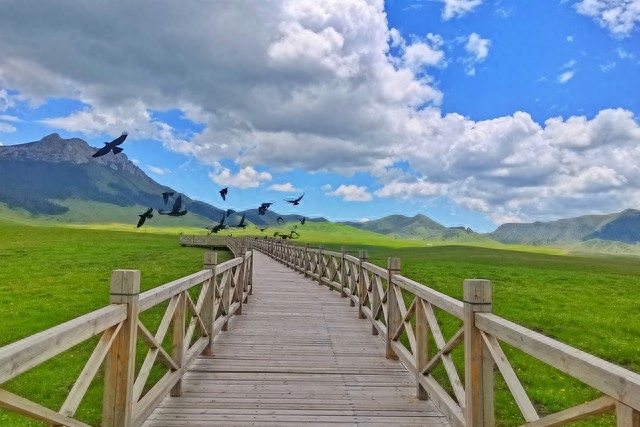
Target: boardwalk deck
pixel 297 355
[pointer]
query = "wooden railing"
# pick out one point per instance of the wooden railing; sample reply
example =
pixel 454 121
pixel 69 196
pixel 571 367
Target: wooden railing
pixel 380 295
pixel 199 306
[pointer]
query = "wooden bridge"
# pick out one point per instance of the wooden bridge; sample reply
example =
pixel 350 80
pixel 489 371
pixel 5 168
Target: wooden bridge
pixel 255 342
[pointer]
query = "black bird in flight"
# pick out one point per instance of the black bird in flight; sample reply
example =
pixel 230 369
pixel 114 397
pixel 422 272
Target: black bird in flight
pixel 302 220
pixel 294 201
pixel 261 229
pixel 230 211
pixel 219 226
pixel 111 146
pixel 223 193
pixel 175 210
pixel 292 233
pixel 263 208
pixel 280 220
pixel 144 216
pixel 242 224
pixel 166 195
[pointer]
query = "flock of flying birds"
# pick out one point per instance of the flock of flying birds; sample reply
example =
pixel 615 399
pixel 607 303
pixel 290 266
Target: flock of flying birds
pixel 177 208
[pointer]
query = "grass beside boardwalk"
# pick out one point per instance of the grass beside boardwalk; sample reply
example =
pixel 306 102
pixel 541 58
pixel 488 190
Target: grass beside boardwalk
pixel 49 275
pixel 52 274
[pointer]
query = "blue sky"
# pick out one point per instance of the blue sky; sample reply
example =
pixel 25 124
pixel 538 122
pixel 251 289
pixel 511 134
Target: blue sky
pixel 472 112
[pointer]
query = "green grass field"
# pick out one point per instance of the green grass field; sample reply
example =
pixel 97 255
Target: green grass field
pixel 52 274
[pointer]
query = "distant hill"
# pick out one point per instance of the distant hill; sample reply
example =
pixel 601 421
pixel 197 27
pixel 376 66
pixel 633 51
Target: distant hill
pixel 419 227
pixel 620 227
pixel 60 178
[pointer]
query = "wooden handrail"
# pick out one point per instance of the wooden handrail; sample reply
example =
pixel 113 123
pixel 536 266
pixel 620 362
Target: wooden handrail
pixel 379 297
pixel 223 289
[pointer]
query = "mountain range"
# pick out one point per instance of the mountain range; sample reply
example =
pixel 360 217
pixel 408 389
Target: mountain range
pixel 59 178
pixel 51 176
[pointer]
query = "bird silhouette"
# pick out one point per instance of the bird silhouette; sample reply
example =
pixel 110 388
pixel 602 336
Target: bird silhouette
pixel 242 224
pixel 292 233
pixel 263 208
pixel 111 146
pixel 219 226
pixel 280 220
pixel 261 229
pixel 175 210
pixel 302 220
pixel 294 201
pixel 223 193
pixel 144 216
pixel 166 195
pixel 276 234
pixel 230 211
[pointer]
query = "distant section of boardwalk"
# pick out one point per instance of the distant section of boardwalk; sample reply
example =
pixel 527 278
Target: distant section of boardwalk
pixel 297 355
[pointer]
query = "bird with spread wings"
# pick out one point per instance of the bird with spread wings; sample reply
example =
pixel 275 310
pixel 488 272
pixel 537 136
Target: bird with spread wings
pixel 111 146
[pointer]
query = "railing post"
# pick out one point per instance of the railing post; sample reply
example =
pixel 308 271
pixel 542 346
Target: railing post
pixel 626 416
pixel 305 259
pixel 250 269
pixel 478 366
pixel 117 407
pixel 422 347
pixel 363 256
pixel 240 286
pixel 210 261
pixel 320 264
pixel 344 280
pixel 393 314
pixel 177 339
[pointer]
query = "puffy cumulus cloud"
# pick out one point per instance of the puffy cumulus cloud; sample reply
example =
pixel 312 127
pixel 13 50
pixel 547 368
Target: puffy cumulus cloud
pixel 285 188
pixel 453 8
pixel 618 16
pixel 352 193
pixel 479 50
pixel 478 46
pixel 246 177
pixel 513 169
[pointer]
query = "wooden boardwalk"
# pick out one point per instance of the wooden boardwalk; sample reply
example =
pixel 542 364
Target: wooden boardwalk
pixel 297 355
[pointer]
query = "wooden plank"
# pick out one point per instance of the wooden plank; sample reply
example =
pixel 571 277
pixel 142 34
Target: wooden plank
pixel 615 381
pixel 23 355
pixel 26 407
pixel 576 413
pixel 155 296
pixel 517 391
pixel 440 300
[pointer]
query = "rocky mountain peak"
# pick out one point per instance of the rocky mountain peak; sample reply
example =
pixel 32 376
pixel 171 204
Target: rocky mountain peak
pixel 53 148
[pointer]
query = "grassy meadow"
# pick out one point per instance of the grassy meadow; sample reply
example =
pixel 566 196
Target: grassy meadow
pixel 51 274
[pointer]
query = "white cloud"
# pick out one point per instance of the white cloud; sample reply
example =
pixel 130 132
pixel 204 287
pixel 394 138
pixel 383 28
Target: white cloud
pixel 158 171
pixel 285 188
pixel 618 16
pixel 6 100
pixel 453 8
pixel 8 118
pixel 326 187
pixel 569 64
pixel 7 128
pixel 623 54
pixel 352 193
pixel 566 76
pixel 246 177
pixel 607 67
pixel 479 49
pixel 569 39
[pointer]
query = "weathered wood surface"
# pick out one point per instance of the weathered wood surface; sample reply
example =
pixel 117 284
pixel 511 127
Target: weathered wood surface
pixel 297 355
